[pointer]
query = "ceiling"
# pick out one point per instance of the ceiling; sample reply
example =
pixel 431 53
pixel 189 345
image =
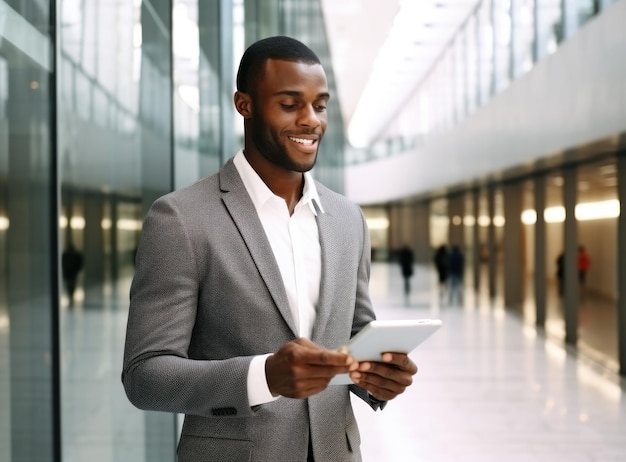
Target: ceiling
pixel 381 50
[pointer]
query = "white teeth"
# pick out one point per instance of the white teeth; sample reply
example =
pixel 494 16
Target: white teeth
pixel 301 140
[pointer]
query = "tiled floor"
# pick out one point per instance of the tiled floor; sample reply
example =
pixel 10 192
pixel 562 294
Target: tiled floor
pixel 489 388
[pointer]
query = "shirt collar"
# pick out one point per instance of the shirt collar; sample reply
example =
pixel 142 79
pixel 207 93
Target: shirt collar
pixel 260 193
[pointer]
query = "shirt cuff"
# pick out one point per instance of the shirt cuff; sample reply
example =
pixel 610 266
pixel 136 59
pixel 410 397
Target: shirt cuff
pixel 258 391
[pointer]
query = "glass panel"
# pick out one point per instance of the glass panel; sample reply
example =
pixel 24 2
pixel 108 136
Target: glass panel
pixel 28 361
pixel 587 9
pixel 447 89
pixel 503 31
pixel 551 25
pixel 526 35
pixel 485 50
pixel 186 51
pixel 460 77
pixel 468 221
pixel 554 214
pixel 471 57
pixel 528 218
pixel 114 117
pixel 596 213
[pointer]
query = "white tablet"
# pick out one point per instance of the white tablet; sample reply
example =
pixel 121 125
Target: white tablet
pixel 397 336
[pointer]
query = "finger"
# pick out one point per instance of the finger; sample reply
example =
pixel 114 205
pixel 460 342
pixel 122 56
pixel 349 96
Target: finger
pixel 378 386
pixel 315 355
pixel 381 373
pixel 401 361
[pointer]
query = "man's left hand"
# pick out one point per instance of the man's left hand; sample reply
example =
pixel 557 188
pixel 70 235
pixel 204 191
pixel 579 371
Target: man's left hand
pixel 386 379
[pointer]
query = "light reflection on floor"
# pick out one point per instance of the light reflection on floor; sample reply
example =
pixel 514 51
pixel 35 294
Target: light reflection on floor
pixel 490 387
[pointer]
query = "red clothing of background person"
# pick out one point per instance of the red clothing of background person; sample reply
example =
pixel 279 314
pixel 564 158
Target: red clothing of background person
pixel 584 262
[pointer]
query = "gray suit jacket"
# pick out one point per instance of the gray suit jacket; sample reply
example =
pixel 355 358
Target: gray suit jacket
pixel 207 297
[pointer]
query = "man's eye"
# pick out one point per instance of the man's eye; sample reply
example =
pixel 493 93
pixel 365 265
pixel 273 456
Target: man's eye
pixel 320 108
pixel 288 107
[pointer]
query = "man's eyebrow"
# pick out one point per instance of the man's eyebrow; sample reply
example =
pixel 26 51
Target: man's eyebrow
pixel 323 95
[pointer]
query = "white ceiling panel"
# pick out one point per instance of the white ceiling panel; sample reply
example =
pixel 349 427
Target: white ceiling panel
pixel 381 50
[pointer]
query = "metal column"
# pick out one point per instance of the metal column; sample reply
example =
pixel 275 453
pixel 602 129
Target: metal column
pixel 540 252
pixel 571 296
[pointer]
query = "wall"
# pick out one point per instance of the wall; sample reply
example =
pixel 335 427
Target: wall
pixel 575 96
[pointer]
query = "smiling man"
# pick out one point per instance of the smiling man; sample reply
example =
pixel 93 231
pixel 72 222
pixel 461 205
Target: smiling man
pixel 249 281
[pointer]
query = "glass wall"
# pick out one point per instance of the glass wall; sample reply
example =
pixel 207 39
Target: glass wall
pixel 28 277
pixel 141 112
pixel 596 213
pixel 138 102
pixel 115 120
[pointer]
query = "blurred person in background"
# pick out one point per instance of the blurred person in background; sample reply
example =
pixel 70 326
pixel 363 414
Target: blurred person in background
pixel 405 258
pixel 441 266
pixel 584 262
pixel 560 271
pixel 456 265
pixel 71 265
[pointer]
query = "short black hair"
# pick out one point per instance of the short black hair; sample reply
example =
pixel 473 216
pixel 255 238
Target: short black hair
pixel 278 47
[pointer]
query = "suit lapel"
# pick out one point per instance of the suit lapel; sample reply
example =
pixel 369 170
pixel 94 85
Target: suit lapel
pixel 328 241
pixel 241 209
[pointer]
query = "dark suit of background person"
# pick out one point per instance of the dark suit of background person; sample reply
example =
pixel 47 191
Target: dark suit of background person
pixel 209 303
pixel 405 258
pixel 441 266
pixel 71 265
pixel 456 265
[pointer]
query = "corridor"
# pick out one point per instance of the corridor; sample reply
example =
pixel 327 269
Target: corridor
pixel 488 388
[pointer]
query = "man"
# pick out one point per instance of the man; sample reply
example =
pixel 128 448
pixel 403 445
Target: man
pixel 249 281
pixel 71 265
pixel 456 268
pixel 405 258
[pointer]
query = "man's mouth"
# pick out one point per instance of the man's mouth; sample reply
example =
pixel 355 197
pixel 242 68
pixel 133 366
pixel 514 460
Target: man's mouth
pixel 302 141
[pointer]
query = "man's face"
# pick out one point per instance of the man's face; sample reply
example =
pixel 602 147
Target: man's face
pixel 289 113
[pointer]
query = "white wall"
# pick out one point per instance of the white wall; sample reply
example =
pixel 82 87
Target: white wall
pixel 575 96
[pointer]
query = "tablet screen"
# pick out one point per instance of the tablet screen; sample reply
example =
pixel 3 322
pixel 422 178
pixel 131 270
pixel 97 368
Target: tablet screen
pixel 380 336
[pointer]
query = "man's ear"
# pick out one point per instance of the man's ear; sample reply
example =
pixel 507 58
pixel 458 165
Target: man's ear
pixel 243 104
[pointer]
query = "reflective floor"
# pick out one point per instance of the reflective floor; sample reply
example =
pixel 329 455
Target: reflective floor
pixel 489 387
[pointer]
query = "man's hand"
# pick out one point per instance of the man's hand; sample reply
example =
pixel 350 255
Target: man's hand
pixel 301 368
pixel 386 379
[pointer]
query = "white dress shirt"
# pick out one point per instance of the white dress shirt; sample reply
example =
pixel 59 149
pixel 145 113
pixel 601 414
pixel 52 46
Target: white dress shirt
pixel 295 243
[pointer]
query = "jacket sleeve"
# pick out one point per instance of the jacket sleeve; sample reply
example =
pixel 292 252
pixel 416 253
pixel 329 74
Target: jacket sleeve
pixel 158 374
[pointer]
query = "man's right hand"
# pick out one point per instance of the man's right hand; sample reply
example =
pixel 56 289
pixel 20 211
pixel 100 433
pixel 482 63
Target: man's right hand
pixel 301 368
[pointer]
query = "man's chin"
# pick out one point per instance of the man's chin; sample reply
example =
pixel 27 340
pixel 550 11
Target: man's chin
pixel 302 168
pixel 302 165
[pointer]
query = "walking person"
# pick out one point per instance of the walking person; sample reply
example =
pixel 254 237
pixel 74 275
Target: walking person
pixel 71 265
pixel 583 263
pixel 560 272
pixel 456 267
pixel 441 266
pixel 405 258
